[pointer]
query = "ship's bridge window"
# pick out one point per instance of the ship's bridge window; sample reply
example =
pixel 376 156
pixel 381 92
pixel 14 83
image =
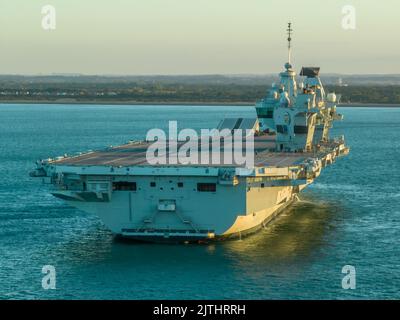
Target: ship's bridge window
pixel 265 113
pixel 206 187
pixel 281 128
pixel 300 129
pixel 124 186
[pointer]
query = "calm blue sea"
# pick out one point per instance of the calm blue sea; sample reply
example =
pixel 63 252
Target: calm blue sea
pixel 349 216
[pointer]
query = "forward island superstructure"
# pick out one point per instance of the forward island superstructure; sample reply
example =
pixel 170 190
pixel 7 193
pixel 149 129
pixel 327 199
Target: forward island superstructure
pixel 186 202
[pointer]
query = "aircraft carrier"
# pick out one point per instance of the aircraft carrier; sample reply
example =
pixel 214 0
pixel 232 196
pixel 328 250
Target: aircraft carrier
pixel 184 202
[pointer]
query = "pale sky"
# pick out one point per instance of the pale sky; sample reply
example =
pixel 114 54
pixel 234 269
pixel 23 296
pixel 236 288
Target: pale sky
pixel 197 36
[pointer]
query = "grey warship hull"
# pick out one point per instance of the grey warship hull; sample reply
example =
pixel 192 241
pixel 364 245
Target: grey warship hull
pixel 166 203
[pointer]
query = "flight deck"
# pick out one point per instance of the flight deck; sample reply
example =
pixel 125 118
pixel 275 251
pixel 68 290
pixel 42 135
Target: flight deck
pixel 134 154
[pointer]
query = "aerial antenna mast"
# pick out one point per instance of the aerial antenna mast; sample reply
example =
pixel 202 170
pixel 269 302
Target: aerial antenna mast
pixel 289 39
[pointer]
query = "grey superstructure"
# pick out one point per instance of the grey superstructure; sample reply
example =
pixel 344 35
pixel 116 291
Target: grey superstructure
pixel 185 202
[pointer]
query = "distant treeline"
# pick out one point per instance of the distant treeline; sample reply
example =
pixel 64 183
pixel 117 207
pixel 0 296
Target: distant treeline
pixel 368 94
pixel 206 89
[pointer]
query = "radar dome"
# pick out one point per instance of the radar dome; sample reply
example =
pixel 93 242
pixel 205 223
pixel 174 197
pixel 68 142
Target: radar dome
pixel 331 97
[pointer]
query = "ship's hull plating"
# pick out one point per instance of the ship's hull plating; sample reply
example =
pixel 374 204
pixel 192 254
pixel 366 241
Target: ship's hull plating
pixel 230 212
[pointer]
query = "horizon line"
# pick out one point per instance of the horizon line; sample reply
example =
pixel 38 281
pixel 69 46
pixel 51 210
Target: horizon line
pixel 75 74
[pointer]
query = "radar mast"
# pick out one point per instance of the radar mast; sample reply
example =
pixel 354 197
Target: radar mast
pixel 289 39
pixel 288 81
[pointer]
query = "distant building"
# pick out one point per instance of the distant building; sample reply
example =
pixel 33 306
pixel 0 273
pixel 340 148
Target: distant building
pixel 341 84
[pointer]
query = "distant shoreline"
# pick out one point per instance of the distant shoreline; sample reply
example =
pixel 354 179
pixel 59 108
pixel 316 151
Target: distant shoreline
pixel 133 103
pixel 176 103
pixel 370 105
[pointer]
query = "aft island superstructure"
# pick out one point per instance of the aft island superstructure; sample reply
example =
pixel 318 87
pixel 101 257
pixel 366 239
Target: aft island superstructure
pixel 199 202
